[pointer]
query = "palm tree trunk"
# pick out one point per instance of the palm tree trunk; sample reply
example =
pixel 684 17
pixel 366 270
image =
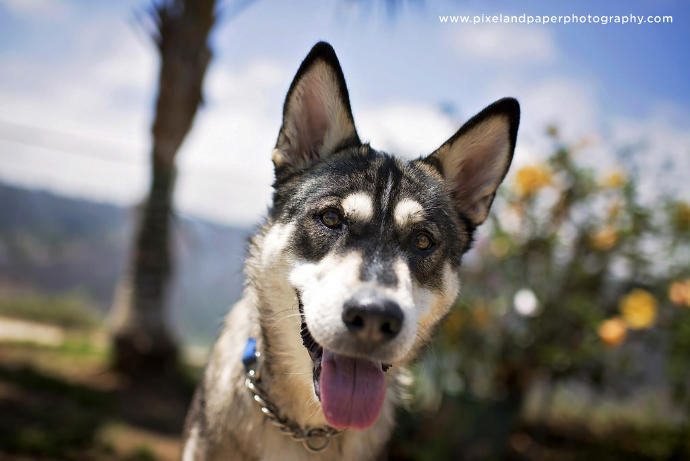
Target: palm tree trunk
pixel 142 340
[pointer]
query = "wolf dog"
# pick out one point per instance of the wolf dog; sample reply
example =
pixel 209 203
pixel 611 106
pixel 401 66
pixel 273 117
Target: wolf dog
pixel 348 277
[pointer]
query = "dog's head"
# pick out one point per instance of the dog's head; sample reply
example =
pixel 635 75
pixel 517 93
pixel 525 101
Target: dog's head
pixel 370 244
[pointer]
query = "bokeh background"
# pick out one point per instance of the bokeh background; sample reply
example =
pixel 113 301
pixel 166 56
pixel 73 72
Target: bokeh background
pixel 571 338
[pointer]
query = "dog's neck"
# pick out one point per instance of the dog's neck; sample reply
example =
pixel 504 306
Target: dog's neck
pixel 281 384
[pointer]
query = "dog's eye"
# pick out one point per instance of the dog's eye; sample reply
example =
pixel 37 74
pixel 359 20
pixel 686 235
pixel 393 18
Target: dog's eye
pixel 331 218
pixel 422 241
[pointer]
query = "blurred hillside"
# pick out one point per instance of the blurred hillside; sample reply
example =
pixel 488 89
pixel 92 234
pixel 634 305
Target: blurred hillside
pixel 67 248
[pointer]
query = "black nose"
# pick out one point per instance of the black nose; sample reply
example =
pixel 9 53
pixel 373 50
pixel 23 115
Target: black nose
pixel 373 321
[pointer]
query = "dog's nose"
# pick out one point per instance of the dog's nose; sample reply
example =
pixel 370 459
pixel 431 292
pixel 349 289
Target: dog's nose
pixel 373 321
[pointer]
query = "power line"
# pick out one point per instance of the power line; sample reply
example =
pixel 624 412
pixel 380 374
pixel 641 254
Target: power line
pixel 32 136
pixel 71 144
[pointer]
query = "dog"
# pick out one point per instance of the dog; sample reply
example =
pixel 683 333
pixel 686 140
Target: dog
pixel 348 277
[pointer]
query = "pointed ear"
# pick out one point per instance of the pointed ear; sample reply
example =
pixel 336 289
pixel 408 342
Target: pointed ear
pixel 475 160
pixel 317 119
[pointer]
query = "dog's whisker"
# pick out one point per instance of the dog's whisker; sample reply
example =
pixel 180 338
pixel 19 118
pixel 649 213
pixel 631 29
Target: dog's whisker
pixel 291 315
pixel 279 313
pixel 285 317
pixel 317 408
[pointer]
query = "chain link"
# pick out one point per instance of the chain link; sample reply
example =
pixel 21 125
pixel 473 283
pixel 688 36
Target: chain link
pixel 314 439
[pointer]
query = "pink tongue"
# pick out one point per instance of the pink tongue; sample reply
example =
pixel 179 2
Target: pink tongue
pixel 352 391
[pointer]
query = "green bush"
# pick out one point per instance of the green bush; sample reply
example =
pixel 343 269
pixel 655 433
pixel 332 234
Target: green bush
pixel 574 279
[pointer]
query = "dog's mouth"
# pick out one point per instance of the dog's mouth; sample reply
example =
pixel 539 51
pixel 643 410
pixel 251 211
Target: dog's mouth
pixel 351 390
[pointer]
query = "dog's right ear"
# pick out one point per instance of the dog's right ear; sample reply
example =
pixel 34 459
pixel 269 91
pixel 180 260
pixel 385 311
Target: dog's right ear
pixel 476 158
pixel 317 119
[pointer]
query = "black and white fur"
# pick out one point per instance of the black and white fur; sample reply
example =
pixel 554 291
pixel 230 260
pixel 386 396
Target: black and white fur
pixel 383 205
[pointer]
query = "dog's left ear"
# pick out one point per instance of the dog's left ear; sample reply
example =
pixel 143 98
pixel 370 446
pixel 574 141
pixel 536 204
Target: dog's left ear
pixel 317 119
pixel 475 160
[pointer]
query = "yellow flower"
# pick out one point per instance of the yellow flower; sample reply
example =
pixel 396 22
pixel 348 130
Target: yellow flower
pixel 530 179
pixel 638 309
pixel 604 239
pixel 499 247
pixel 481 315
pixel 454 323
pixel 681 216
pixel 614 180
pixel 612 331
pixel 679 293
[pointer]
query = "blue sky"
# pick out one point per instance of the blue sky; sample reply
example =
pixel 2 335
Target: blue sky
pixel 77 81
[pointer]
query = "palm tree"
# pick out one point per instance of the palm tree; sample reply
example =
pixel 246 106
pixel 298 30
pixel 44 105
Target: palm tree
pixel 143 343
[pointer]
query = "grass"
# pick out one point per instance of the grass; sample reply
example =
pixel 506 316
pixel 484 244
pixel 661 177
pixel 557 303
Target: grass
pixel 46 415
pixel 71 310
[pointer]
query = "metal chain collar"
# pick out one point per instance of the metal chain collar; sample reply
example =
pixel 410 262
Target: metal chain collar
pixel 314 439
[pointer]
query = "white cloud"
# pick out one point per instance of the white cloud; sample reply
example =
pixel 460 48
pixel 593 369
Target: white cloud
pixel 44 8
pixel 660 140
pixel 225 165
pixel 101 90
pixel 406 129
pixel 88 146
pixel 503 43
pixel 79 124
pixel 72 174
pixel 660 148
pixel 569 104
pixel 82 128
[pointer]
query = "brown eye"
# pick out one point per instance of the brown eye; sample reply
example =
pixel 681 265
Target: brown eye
pixel 422 241
pixel 330 218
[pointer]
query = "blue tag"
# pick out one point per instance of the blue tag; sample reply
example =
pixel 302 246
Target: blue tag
pixel 249 354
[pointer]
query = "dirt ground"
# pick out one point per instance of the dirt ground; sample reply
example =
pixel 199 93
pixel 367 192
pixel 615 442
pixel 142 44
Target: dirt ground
pixel 64 403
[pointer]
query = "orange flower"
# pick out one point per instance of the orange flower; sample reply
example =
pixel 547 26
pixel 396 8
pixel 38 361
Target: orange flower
pixel 612 331
pixel 614 180
pixel 604 239
pixel 679 293
pixel 638 309
pixel 530 179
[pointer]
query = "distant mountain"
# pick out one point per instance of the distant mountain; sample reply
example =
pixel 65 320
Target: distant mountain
pixel 53 244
